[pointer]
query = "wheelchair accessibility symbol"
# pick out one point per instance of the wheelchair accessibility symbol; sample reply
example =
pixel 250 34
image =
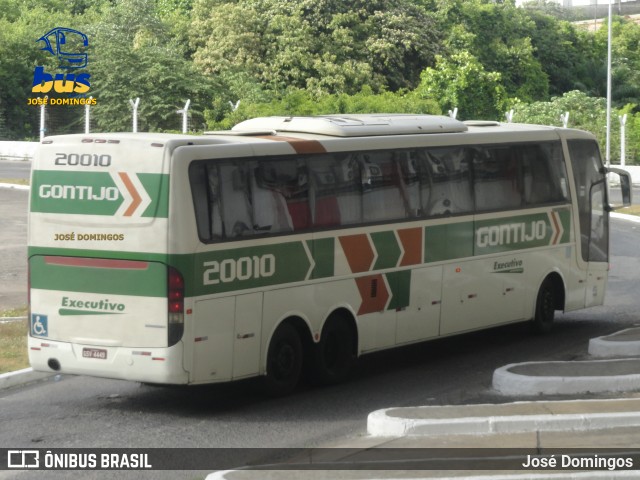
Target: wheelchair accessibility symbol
pixel 39 326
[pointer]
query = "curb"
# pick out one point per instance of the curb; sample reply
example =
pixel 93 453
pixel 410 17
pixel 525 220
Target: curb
pixel 586 377
pixel 615 345
pixel 516 417
pixel 21 377
pixel 624 216
pixel 15 186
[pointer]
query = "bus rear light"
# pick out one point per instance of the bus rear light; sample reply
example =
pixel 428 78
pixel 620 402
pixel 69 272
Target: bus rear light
pixel 175 305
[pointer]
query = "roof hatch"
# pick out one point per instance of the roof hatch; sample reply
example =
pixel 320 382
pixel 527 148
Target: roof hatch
pixel 356 125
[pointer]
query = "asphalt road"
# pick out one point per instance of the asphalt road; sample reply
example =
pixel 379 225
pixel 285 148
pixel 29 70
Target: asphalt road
pixel 15 169
pixel 13 247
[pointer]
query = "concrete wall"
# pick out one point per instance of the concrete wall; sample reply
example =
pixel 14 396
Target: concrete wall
pixel 17 150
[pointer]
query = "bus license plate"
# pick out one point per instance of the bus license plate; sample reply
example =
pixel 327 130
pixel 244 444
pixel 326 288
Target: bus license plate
pixel 98 353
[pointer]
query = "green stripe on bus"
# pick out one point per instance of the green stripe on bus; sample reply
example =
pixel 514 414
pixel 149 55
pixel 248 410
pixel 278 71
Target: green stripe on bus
pixel 521 232
pixel 68 311
pixel 96 193
pixel 386 246
pixel 158 188
pixel 400 285
pixel 237 269
pixel 151 282
pixel 448 242
pixel 250 267
pixel 323 254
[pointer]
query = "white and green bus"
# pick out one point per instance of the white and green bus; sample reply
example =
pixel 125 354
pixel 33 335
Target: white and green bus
pixel 297 244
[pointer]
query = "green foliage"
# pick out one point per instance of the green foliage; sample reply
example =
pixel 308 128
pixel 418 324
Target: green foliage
pixel 19 53
pixel 461 81
pixel 136 56
pixel 585 113
pixel 499 35
pixel 308 57
pixel 326 46
pixel 301 102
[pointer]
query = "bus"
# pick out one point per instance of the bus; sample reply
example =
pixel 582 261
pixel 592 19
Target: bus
pixel 291 246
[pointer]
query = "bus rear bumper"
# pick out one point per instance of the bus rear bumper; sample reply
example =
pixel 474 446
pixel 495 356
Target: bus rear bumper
pixel 149 365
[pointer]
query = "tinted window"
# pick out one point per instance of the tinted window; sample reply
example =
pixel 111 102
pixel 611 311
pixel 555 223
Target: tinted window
pixel 248 197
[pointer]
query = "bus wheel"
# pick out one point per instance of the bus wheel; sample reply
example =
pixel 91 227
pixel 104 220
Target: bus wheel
pixel 334 354
pixel 284 361
pixel 545 308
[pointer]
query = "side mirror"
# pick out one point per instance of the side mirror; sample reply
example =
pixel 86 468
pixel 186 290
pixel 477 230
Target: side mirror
pixel 625 186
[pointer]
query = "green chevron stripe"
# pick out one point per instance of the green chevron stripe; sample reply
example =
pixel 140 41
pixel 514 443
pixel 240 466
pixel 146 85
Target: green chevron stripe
pixel 387 248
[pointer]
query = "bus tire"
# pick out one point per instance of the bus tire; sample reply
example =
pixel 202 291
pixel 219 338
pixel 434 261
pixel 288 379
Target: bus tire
pixel 545 308
pixel 334 356
pixel 284 361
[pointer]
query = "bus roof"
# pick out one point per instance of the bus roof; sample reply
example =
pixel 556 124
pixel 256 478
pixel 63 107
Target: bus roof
pixel 355 125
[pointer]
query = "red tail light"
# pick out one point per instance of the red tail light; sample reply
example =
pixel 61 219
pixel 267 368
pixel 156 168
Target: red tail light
pixel 175 305
pixel 175 293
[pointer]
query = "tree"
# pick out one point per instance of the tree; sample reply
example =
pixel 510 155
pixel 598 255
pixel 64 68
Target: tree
pixel 136 56
pixel 585 113
pixel 498 35
pixel 461 81
pixel 20 27
pixel 302 102
pixel 326 46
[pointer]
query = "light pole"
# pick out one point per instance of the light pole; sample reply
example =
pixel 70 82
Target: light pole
pixel 623 139
pixel 608 154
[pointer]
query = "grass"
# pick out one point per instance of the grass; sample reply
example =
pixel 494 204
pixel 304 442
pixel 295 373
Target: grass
pixel 15 181
pixel 13 341
pixel 632 210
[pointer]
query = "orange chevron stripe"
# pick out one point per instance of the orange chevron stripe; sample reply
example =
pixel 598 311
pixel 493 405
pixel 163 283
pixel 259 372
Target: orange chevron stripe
pixel 300 145
pixel 137 199
pixel 373 292
pixel 358 251
pixel 556 226
pixel 411 239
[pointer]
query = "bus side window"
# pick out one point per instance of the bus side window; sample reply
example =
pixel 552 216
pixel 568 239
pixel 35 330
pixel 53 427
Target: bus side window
pixel 409 181
pixel 497 177
pixel 323 202
pixel 445 182
pixel 382 198
pixel 271 183
pixel 348 189
pixel 236 206
pixel 217 228
pixel 203 204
